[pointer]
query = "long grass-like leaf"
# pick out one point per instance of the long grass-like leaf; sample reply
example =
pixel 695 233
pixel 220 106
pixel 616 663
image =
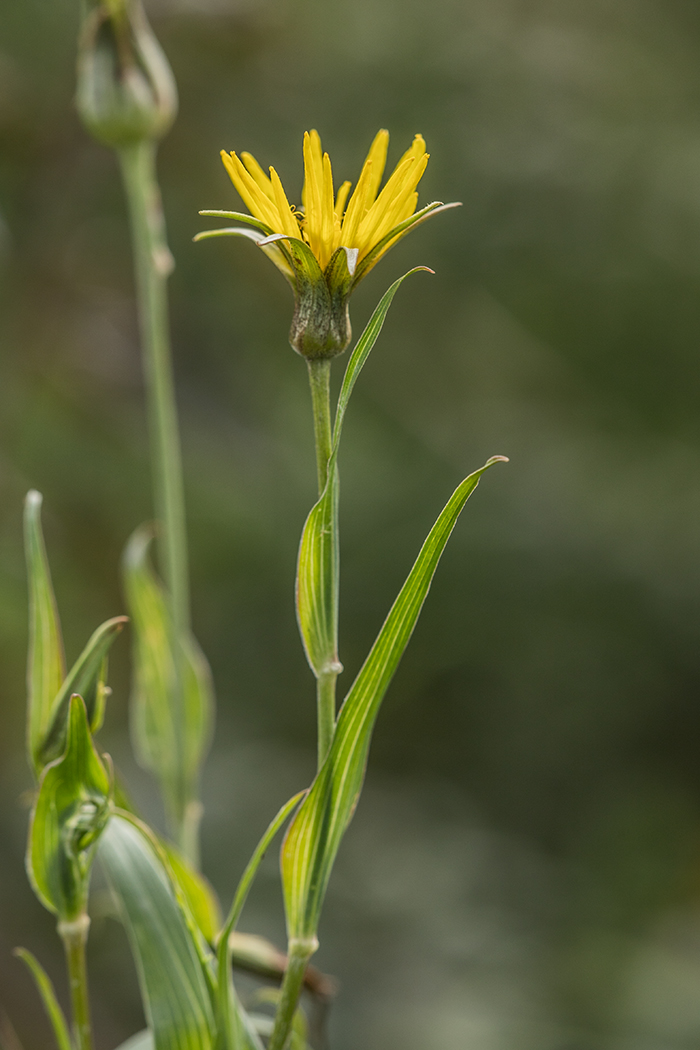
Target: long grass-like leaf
pixel 174 985
pixel 317 564
pixel 314 836
pixel 46 665
pixel 48 997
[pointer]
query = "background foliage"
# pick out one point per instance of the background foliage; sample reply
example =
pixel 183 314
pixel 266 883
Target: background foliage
pixel 524 870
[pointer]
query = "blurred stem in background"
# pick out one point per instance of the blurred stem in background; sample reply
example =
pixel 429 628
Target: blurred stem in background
pixel 153 264
pixel 127 98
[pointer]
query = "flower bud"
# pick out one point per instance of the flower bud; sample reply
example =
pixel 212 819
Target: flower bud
pixel 126 92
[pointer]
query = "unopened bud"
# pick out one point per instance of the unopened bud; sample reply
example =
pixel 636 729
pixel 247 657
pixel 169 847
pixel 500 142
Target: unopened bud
pixel 126 91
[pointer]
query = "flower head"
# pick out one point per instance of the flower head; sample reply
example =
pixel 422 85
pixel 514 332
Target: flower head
pixel 325 248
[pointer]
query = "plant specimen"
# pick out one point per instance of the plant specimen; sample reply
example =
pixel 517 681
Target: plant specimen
pixel 182 948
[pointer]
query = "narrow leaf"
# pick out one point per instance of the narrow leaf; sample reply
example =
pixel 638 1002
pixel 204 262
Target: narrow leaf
pixel 317 564
pixel 69 814
pixel 86 677
pixel 46 666
pixel 314 835
pixel 48 997
pixel 228 1020
pixel 172 697
pixel 171 973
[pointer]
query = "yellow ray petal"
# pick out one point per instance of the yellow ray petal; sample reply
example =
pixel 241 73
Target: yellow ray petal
pixel 341 199
pixel 288 224
pixel 313 183
pixel 256 201
pixel 358 207
pixel 366 188
pixel 327 213
pixel 258 174
pixel 377 155
pixel 391 202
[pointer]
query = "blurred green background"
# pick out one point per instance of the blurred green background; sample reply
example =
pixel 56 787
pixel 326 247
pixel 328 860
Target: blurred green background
pixel 524 869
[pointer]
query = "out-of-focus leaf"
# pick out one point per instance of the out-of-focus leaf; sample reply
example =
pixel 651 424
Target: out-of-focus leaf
pixel 172 700
pixel 48 996
pixel 141 1041
pixel 198 893
pixel 86 678
pixel 175 986
pixel 314 835
pixel 70 812
pixel 46 666
pixel 317 565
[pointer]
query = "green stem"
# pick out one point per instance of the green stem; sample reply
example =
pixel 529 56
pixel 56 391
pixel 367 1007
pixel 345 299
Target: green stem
pixel 297 960
pixel 153 263
pixel 74 936
pixel 326 714
pixel 319 381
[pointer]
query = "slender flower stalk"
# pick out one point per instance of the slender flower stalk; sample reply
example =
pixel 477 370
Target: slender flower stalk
pixel 319 382
pixel 74 935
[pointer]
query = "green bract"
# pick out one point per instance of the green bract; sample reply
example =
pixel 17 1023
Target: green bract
pixel 321 323
pixel 69 814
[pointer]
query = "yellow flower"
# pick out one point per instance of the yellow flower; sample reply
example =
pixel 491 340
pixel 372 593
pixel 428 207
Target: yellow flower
pixel 331 243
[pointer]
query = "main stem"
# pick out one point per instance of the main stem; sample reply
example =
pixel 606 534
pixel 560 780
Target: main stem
pixel 297 960
pixel 319 381
pixel 153 263
pixel 74 936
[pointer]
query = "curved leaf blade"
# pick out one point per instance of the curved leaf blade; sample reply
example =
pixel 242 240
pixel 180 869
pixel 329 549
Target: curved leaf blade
pixel 48 997
pixel 314 836
pixel 171 973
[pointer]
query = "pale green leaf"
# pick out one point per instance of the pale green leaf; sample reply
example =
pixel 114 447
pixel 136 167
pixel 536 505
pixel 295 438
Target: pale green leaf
pixel 48 997
pixel 46 666
pixel 198 893
pixel 86 678
pixel 174 985
pixel 314 835
pixel 141 1041
pixel 172 698
pixel 317 564
pixel 69 814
